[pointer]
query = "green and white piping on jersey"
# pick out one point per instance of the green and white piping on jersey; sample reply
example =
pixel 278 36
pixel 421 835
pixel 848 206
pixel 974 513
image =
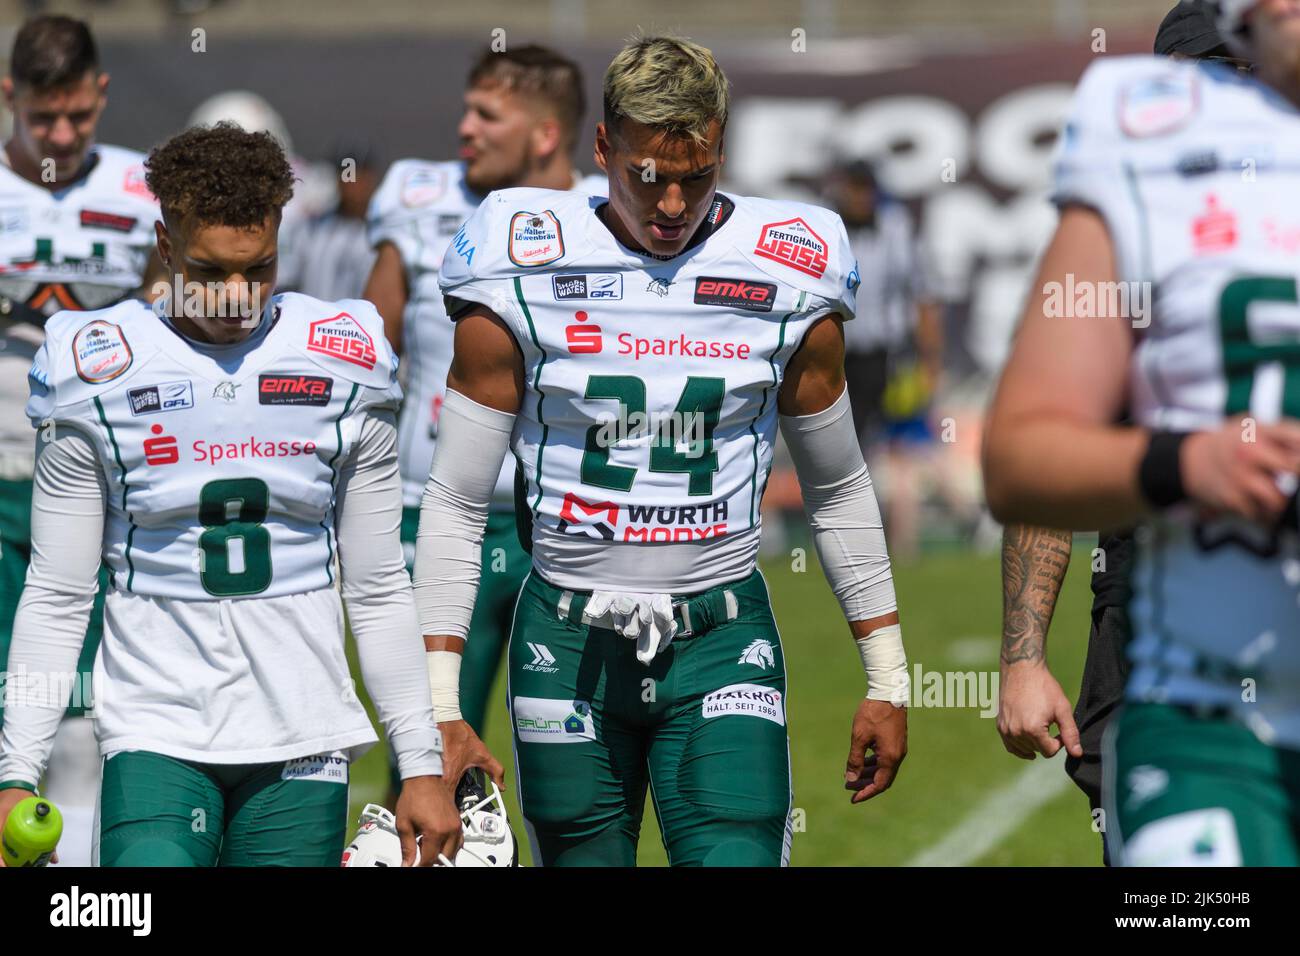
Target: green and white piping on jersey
pixel 537 377
pixel 771 361
pixel 334 476
pixel 117 457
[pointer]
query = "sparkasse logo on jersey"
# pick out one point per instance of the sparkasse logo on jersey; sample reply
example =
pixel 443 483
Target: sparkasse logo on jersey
pixel 583 339
pixel 744 294
pixel 793 243
pixel 161 449
pixel 294 389
pixel 343 337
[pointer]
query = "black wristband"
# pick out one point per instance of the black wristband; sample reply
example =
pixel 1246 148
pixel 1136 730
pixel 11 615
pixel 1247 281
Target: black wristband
pixel 1159 477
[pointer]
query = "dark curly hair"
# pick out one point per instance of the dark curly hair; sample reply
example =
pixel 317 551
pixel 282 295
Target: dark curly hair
pixel 219 175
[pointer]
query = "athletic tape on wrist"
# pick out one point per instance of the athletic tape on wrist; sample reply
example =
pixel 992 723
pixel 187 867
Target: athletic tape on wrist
pixel 885 663
pixel 444 684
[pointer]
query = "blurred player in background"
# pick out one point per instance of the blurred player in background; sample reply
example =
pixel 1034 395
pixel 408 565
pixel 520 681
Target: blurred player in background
pixel 225 452
pixel 332 253
pixel 894 363
pixel 315 189
pixel 76 232
pixel 1202 350
pixel 1034 563
pixel 523 108
pixel 636 354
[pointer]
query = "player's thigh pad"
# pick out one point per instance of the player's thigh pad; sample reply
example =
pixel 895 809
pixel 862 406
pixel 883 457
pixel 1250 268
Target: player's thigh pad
pixel 580 766
pixel 292 813
pixel 158 811
pixel 720 763
pixel 1198 791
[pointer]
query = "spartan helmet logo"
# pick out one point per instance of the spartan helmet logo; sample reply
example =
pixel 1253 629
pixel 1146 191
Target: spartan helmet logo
pixel 759 653
pixel 225 391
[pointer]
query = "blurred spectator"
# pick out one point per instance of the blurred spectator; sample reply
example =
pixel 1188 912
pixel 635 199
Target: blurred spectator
pixel 894 358
pixel 897 325
pixel 331 258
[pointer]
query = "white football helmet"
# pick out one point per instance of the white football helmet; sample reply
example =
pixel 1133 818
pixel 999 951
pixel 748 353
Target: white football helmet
pixel 488 840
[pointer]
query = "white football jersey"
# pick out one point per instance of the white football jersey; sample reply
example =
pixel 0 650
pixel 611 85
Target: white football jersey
pixel 419 207
pixel 221 463
pixel 82 247
pixel 1196 170
pixel 647 427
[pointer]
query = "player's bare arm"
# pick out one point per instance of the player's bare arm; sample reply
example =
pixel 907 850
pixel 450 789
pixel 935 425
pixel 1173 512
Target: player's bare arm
pixel 814 382
pixel 1034 562
pixel 1051 454
pixel 386 288
pixel 488 369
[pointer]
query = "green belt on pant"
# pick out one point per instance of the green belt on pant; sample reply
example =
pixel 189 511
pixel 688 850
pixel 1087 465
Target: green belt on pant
pixel 695 614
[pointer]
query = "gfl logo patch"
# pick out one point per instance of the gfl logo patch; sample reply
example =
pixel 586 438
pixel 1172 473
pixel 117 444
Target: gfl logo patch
pixel 583 339
pixel 161 449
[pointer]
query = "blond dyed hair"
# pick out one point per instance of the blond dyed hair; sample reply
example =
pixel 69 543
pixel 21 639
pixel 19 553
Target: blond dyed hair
pixel 667 83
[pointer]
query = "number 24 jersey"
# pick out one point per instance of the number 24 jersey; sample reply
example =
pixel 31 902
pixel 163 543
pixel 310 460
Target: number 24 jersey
pixel 647 426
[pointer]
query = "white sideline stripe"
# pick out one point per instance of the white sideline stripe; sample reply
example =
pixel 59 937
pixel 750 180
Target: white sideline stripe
pixel 998 815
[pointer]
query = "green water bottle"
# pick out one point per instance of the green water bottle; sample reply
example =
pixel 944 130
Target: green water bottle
pixel 31 833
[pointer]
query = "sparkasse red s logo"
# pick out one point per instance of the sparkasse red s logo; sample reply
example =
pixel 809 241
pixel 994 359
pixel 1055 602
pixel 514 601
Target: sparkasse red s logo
pixel 793 243
pixel 583 339
pixel 161 450
pixel 343 337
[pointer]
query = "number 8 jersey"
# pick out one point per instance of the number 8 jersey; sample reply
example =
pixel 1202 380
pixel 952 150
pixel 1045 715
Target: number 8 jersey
pixel 1196 170
pixel 647 427
pixel 221 463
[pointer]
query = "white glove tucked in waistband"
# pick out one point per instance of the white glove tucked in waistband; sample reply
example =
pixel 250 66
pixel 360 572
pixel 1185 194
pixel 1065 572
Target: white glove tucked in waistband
pixel 644 618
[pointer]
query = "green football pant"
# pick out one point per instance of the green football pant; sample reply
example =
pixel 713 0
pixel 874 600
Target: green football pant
pixel 703 725
pixel 15 555
pixel 504 566
pixel 161 811
pixel 1188 790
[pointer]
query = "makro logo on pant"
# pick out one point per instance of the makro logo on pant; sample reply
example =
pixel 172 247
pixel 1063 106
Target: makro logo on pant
pixel 543 720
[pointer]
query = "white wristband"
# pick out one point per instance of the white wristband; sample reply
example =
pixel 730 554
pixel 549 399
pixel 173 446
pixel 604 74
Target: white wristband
pixel 444 683
pixel 885 662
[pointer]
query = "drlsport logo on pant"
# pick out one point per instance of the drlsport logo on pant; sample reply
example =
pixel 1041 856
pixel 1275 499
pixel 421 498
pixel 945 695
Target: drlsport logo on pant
pixel 543 659
pixel 541 720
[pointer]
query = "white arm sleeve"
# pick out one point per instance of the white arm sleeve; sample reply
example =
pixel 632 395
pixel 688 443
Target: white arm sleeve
pixel 377 591
pixel 472 442
pixel 841 508
pixel 50 626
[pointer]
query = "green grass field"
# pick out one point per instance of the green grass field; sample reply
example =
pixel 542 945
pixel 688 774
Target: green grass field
pixel 948 800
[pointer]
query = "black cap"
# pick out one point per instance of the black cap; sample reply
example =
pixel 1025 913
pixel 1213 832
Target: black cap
pixel 1186 29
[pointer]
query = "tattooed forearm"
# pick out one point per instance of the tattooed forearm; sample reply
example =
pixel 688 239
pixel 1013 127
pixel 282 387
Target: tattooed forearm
pixel 1034 562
